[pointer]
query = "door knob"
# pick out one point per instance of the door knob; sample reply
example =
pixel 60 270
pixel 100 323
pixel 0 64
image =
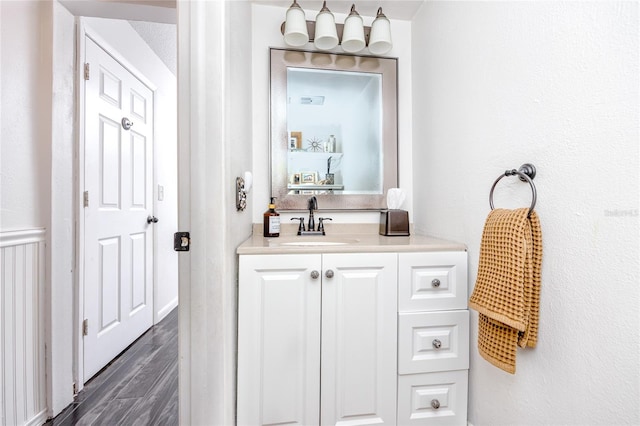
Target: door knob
pixel 329 273
pixel 151 219
pixel 126 123
pixel 315 275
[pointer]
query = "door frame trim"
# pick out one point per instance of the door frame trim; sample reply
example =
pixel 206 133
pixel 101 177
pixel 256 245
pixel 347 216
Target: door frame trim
pixel 83 31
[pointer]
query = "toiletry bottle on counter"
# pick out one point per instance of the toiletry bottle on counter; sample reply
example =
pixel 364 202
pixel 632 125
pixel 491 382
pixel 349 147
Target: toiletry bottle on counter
pixel 272 221
pixel 330 144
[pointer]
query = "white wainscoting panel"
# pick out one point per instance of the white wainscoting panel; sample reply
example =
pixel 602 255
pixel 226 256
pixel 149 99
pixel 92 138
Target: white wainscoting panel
pixel 22 328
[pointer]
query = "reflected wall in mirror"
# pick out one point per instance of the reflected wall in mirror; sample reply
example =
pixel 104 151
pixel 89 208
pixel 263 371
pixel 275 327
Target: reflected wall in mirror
pixel 333 129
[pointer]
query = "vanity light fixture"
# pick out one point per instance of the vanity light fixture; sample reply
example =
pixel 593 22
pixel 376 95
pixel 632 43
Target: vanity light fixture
pixel 353 32
pixel 294 28
pixel 380 41
pixel 326 34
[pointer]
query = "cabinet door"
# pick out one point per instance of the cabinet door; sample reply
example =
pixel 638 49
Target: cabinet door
pixel 359 332
pixel 279 340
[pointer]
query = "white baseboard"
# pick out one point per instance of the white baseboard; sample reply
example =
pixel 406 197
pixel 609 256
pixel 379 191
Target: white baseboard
pixel 166 309
pixel 38 419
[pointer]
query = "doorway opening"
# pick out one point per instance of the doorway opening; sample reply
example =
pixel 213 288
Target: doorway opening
pixel 131 169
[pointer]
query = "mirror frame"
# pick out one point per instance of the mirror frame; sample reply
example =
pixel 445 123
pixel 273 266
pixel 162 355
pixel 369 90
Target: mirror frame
pixel 280 60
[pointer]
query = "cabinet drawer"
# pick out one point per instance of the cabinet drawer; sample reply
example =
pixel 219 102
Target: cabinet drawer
pixel 432 281
pixel 420 394
pixel 433 341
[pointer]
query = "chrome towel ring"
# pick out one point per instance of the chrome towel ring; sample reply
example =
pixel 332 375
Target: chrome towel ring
pixel 526 173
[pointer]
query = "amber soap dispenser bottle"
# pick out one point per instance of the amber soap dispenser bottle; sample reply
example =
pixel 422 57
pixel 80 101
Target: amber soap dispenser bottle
pixel 271 221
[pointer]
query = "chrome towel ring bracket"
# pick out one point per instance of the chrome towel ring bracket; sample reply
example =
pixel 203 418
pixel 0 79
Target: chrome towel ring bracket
pixel 526 173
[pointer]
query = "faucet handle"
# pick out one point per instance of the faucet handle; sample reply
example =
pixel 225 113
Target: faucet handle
pixel 321 224
pixel 301 226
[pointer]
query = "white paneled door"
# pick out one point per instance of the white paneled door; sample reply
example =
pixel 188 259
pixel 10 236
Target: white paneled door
pixel 118 240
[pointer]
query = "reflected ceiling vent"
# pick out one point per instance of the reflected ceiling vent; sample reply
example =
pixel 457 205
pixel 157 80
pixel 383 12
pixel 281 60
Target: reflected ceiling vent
pixel 312 100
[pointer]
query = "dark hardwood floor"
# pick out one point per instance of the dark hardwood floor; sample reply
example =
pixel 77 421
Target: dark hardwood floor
pixel 139 387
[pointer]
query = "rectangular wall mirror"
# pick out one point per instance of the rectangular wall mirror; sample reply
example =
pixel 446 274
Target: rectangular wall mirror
pixel 334 132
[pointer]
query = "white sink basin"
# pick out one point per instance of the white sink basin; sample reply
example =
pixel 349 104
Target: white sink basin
pixel 302 242
pixel 314 243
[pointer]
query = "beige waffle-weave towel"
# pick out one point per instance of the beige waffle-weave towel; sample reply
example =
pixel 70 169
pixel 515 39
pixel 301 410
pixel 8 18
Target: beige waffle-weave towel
pixel 507 290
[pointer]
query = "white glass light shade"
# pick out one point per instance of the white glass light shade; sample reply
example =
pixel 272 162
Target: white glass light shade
pixel 353 34
pixel 295 27
pixel 380 38
pixel 326 36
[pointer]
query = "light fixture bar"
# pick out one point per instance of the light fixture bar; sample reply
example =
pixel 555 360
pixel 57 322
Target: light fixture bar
pixel 311 28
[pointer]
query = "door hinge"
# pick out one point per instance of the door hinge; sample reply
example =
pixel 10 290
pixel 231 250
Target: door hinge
pixel 86 71
pixel 75 388
pixel 85 327
pixel 85 198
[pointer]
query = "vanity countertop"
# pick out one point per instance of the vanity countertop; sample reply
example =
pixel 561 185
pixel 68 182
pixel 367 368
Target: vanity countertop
pixel 343 238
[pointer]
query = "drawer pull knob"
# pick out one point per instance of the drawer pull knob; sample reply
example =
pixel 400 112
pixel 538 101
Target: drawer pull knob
pixel 329 273
pixel 435 282
pixel 436 344
pixel 315 275
pixel 435 404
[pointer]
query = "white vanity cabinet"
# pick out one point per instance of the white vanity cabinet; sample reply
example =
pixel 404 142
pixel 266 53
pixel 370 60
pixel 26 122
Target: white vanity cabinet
pixel 317 339
pixel 433 338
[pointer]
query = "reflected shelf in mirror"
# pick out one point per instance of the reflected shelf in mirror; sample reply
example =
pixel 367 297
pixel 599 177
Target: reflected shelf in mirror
pixel 311 187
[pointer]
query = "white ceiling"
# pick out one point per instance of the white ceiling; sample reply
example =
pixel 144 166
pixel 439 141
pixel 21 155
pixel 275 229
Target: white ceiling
pixel 162 39
pixel 393 9
pixel 133 10
pixel 164 10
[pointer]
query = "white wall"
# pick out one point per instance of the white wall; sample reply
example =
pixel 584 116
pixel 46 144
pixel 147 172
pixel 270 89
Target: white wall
pixel 36 139
pixel 25 86
pixel 266 33
pixel 498 84
pixel 215 133
pixel 61 244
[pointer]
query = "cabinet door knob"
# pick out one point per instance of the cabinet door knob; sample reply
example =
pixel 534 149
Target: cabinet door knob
pixel 436 343
pixel 435 404
pixel 315 274
pixel 329 273
pixel 435 282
